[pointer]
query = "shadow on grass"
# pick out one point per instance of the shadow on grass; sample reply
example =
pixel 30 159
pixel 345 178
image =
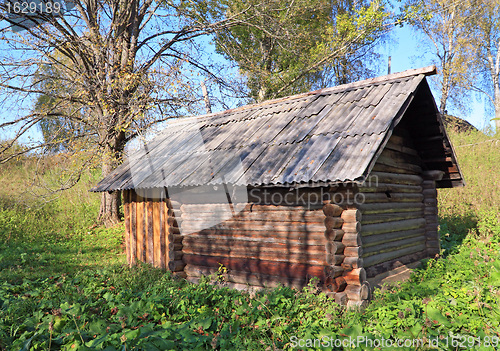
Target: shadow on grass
pixel 454 229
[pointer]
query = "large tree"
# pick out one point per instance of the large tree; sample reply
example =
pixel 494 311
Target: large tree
pixel 447 27
pixel 121 67
pixel 286 47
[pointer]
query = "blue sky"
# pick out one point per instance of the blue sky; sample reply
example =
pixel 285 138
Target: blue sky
pixel 408 51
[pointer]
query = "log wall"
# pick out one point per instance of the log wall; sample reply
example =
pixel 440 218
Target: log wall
pixel 393 230
pixel 264 244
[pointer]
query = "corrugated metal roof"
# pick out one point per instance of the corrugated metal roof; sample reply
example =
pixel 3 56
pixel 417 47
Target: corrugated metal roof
pixel 328 135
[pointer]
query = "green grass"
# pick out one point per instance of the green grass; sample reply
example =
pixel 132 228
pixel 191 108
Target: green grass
pixel 64 284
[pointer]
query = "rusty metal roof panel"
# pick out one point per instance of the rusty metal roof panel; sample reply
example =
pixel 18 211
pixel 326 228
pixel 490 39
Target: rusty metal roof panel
pixel 329 135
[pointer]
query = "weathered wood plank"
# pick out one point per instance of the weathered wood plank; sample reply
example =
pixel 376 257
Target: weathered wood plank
pixel 157 256
pixel 149 232
pixel 141 243
pixel 126 213
pixel 133 228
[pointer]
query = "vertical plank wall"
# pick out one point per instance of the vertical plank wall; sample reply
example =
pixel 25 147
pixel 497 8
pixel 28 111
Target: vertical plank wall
pixel 147 227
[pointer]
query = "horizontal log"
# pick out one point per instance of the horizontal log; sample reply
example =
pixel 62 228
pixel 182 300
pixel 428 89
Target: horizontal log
pixel 351 215
pixel 334 247
pixel 396 188
pixel 393 159
pixel 284 269
pixel 358 292
pixel 375 208
pixel 401 148
pixel 257 235
pixel 379 167
pixel 333 271
pixel 351 227
pixel 334 260
pixel 351 263
pixel 393 178
pixel 390 217
pixel 253 246
pixel 315 216
pixel 333 223
pixel 206 239
pixel 334 234
pixel 387 227
pixel 253 279
pixel 292 257
pixel 253 226
pixel 351 239
pixel 355 277
pixel 332 210
pixel 392 245
pixel 341 298
pixel 175 247
pixel 378 239
pixel 175 266
pixel 388 256
pixel 390 197
pixel 353 251
pixel 174 255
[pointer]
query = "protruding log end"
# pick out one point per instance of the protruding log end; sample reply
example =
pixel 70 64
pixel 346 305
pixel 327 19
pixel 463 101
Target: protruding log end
pixel 332 210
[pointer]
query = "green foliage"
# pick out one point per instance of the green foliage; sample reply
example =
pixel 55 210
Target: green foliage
pixel 290 47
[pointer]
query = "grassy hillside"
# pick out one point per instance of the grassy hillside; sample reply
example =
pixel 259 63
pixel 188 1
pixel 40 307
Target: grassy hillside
pixel 64 284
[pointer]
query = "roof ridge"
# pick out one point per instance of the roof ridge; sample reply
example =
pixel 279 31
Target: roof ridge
pixel 426 71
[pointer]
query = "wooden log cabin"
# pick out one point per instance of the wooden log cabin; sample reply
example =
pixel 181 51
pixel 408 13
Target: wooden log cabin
pixel 338 184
